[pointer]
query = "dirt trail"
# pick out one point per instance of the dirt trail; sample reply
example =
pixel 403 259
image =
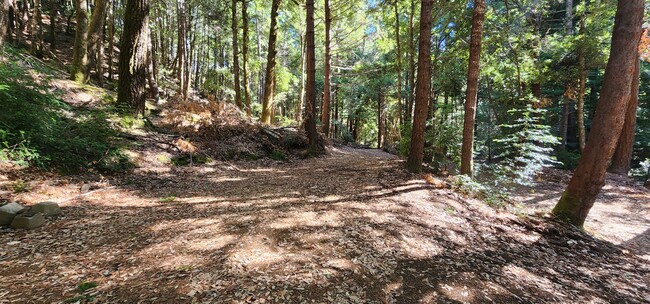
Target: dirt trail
pixel 351 227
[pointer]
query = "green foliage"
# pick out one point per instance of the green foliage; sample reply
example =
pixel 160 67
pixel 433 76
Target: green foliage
pixel 493 196
pixel 167 199
pixel 86 285
pixel 38 128
pixel 526 145
pixel 568 159
pixel 278 155
pixel 185 159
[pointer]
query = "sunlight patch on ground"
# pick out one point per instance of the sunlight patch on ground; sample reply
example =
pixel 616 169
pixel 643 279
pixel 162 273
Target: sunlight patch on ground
pixel 419 247
pixel 457 292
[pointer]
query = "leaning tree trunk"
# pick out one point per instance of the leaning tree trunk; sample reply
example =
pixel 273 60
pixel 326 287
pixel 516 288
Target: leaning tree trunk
pixel 96 38
pixel 80 49
pixel 467 151
pixel 414 162
pixel 269 78
pixel 310 93
pixel 589 176
pixel 132 66
pixel 36 30
pixel 325 109
pixel 622 159
pixel 235 56
pixel 244 50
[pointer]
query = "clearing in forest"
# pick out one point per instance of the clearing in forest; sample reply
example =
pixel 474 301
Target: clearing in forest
pixel 349 227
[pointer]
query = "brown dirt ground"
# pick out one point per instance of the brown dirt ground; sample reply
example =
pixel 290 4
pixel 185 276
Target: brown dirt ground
pixel 349 227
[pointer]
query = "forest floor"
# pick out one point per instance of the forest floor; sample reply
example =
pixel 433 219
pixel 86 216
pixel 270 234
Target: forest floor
pixel 348 227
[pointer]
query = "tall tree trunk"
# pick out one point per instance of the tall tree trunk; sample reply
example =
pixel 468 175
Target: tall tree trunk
pixel 303 66
pixel 132 67
pixel 398 59
pixel 409 106
pixel 24 16
pixel 467 151
pixel 269 78
pixel 414 162
pixel 381 118
pixel 36 30
pixel 622 159
pixel 589 176
pixel 564 121
pixel 326 83
pixel 235 57
pixel 4 20
pixel 244 49
pixel 310 94
pixel 80 49
pixel 582 84
pixel 181 53
pixel 188 53
pixel 54 9
pixel 111 38
pixel 151 71
pixel 96 37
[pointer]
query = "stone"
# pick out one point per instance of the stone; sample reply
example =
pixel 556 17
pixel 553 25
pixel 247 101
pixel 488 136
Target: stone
pixel 28 220
pixel 85 188
pixel 9 211
pixel 47 208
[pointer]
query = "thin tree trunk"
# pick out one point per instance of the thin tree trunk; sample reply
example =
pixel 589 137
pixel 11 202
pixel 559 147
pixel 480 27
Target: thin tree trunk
pixel 380 120
pixel 36 30
pixel 310 107
pixel 414 162
pixel 133 56
pixel 564 123
pixel 409 107
pixel 235 57
pixel 327 73
pixel 303 66
pixel 96 37
pixel 181 53
pixel 398 59
pixel 582 86
pixel 79 71
pixel 622 159
pixel 467 151
pixel 589 176
pixel 111 38
pixel 54 9
pixel 4 19
pixel 269 78
pixel 151 71
pixel 244 48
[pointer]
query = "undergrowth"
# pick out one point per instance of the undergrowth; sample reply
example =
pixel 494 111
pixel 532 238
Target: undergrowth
pixel 37 128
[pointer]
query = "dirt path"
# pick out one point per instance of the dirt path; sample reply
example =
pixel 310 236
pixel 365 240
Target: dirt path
pixel 351 227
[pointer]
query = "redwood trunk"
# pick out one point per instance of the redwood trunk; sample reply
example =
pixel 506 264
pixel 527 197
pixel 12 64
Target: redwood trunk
pixel 467 158
pixel 409 106
pixel 235 57
pixel 326 84
pixel 79 51
pixel 244 49
pixel 96 37
pixel 398 59
pixel 622 160
pixel 589 177
pixel 132 67
pixel 414 162
pixel 269 78
pixel 36 30
pixel 310 87
pixel 182 49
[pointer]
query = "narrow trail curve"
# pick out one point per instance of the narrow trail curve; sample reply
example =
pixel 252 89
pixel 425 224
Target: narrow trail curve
pixel 350 227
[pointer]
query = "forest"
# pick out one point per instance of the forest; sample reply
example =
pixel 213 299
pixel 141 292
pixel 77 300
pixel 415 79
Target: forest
pixel 324 151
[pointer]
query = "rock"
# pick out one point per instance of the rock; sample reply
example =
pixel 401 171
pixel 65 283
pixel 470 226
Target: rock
pixel 47 208
pixel 28 220
pixel 8 212
pixel 85 188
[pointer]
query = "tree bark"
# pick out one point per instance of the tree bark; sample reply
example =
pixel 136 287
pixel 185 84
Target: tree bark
pixel 303 66
pixel 398 59
pixel 582 85
pixel 414 162
pixel 111 38
pixel 269 78
pixel 235 57
pixel 4 19
pixel 79 71
pixel 96 37
pixel 310 107
pixel 589 176
pixel 467 151
pixel 244 48
pixel 409 106
pixel 381 118
pixel 181 49
pixel 622 159
pixel 326 83
pixel 54 8
pixel 132 67
pixel 36 30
